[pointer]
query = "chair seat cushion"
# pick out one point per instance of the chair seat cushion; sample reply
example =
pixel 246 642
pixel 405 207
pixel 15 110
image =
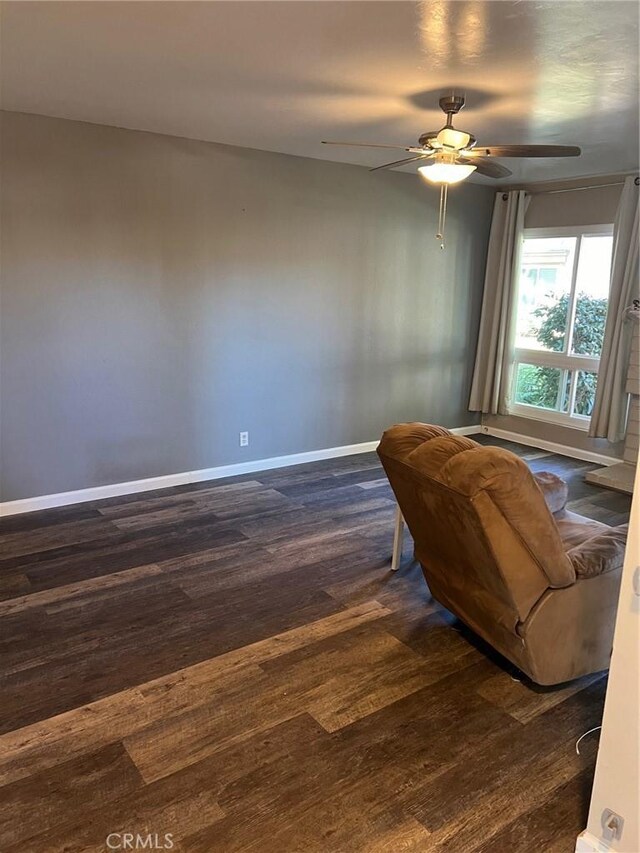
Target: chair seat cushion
pixel 575 529
pixel 601 554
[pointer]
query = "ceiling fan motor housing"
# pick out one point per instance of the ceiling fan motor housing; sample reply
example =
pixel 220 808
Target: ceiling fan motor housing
pixel 430 140
pixel 451 103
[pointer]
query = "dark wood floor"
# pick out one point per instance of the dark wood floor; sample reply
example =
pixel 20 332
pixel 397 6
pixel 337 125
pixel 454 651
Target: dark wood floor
pixel 233 663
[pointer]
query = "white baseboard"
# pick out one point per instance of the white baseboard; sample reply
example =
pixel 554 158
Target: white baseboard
pixel 588 843
pixel 469 430
pixel 165 482
pixel 552 447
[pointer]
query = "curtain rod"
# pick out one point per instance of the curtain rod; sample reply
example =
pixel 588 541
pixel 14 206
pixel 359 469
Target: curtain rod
pixel 576 189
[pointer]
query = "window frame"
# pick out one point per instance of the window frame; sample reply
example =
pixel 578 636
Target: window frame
pixel 560 360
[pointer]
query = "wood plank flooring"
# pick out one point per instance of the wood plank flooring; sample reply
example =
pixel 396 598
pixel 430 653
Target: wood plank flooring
pixel 233 663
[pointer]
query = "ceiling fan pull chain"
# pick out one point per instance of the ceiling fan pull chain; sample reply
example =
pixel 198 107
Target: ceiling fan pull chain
pixel 442 213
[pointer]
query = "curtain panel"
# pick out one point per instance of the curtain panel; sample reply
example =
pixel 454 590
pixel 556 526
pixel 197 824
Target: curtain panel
pixel 491 374
pixel 610 406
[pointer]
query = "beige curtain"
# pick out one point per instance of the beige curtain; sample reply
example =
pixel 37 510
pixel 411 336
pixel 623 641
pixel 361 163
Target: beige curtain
pixel 490 384
pixel 610 407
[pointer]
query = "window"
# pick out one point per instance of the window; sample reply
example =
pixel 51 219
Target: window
pixel 562 297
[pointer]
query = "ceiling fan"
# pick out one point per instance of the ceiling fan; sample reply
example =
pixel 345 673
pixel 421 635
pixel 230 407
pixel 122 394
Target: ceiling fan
pixel 451 155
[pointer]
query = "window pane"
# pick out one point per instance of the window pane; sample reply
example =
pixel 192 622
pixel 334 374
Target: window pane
pixel 547 275
pixel 585 393
pixel 543 293
pixel 538 386
pixel 592 293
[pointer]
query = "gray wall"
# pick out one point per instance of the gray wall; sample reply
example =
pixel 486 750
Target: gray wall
pixel 595 206
pixel 159 295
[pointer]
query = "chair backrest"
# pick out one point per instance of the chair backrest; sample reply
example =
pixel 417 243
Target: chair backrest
pixel 480 524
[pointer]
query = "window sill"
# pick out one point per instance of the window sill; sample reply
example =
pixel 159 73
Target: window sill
pixel 533 413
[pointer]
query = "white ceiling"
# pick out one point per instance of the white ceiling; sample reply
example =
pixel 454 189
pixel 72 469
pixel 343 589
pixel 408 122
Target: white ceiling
pixel 281 76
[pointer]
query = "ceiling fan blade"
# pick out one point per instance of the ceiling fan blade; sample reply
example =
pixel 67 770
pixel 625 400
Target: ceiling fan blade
pixel 401 162
pixel 371 145
pixel 486 167
pixel 525 151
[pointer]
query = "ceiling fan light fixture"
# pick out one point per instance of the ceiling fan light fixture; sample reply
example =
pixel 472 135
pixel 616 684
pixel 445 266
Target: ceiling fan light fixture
pixel 446 173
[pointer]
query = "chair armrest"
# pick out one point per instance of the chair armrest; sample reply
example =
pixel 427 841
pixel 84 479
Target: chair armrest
pixel 554 490
pixel 603 553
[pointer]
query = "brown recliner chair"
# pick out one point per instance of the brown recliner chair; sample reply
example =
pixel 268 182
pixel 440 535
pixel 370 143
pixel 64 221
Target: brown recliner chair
pixel 500 551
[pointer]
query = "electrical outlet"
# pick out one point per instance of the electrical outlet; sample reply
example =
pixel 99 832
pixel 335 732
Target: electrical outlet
pixel 244 439
pixel 612 825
